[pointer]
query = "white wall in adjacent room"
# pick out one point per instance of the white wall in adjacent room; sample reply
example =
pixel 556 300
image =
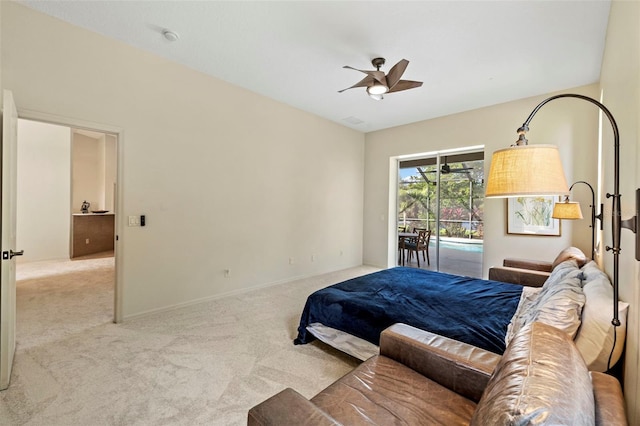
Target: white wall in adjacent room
pixel 43 198
pixel 87 172
pixel 94 169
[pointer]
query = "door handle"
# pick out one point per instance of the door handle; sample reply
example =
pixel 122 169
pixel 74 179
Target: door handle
pixel 6 255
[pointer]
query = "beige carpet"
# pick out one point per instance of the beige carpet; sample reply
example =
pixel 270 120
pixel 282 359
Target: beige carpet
pixel 204 364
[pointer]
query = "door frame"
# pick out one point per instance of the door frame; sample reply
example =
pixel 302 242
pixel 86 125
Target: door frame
pixel 8 234
pixel 394 168
pixel 118 132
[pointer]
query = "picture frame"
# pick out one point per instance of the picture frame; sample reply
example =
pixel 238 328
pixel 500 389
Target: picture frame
pixel 532 216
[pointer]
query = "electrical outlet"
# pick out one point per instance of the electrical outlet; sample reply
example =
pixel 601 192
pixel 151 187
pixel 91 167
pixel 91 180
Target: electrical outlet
pixel 291 261
pixel 86 241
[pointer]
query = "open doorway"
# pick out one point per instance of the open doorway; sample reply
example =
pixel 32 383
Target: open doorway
pixel 66 278
pixel 443 193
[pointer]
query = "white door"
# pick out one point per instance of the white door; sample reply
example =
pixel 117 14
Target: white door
pixel 8 236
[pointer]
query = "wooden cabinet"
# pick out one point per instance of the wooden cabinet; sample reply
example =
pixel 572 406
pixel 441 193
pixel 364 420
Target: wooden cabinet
pixel 92 233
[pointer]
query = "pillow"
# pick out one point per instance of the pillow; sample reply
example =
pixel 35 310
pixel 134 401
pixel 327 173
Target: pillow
pixel 596 333
pixel 540 379
pixel 570 253
pixel 521 317
pixel 559 303
pixel 560 271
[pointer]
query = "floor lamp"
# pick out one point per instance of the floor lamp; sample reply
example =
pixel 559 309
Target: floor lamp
pixel 571 210
pixel 531 170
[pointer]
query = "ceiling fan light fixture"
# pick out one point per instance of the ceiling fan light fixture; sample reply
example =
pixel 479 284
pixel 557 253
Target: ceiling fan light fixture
pixel 377 89
pixel 378 83
pixel 376 97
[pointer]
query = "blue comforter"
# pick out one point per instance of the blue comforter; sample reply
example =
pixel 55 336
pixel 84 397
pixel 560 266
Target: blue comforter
pixel 467 309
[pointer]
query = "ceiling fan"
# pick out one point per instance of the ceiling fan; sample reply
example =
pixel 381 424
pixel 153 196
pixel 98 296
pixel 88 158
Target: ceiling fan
pixel 378 84
pixel 446 169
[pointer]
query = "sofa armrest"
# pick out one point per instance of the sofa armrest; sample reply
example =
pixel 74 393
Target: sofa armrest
pixel 460 367
pixel 525 277
pixel 533 265
pixel 608 398
pixel 288 408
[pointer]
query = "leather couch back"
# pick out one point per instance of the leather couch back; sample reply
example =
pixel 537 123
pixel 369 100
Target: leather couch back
pixel 541 379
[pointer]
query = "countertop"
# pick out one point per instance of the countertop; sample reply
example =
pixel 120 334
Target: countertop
pixel 93 214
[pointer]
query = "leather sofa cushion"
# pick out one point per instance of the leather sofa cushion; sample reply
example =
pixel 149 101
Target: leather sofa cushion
pixel 541 379
pixel 607 394
pixel 288 408
pixel 525 277
pixel 390 393
pixel 528 264
pixel 459 366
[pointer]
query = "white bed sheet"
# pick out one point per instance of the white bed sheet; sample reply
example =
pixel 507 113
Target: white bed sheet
pixel 345 342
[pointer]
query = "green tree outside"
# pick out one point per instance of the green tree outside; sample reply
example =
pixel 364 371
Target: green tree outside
pixel 461 202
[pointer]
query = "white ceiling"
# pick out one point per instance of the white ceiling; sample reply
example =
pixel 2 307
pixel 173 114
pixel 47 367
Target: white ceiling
pixel 469 54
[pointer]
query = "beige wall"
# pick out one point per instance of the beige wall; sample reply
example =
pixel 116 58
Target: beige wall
pixel 572 127
pixel 620 83
pixel 94 171
pixel 227 179
pixel 44 184
pixel 87 172
pixel 110 171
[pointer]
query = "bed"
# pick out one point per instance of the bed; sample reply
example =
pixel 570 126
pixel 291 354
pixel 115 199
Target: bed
pixel 576 298
pixel 471 310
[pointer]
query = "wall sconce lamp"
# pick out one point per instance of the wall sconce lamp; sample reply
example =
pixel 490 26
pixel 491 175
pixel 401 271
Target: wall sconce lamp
pixel 571 210
pixel 524 170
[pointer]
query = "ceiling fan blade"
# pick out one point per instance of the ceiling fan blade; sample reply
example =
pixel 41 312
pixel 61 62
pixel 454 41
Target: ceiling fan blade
pixel 404 85
pixel 377 75
pixel 446 170
pixel 356 69
pixel 393 77
pixel 367 81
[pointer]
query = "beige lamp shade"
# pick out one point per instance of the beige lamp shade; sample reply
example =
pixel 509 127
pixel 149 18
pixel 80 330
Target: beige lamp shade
pixel 567 210
pixel 526 171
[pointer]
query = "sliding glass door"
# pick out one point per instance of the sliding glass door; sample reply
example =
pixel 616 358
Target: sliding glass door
pixel 444 193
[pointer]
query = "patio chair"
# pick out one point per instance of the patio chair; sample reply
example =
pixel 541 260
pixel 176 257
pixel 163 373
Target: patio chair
pixel 401 246
pixel 421 244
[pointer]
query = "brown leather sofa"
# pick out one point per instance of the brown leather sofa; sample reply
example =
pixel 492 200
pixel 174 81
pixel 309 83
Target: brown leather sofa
pixel 533 273
pixel 421 378
pixel 527 272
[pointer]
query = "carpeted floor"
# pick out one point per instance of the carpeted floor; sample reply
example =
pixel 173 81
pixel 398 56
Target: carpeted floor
pixel 204 364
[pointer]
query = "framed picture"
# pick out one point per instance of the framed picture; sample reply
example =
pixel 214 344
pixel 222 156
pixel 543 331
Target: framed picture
pixel 532 216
